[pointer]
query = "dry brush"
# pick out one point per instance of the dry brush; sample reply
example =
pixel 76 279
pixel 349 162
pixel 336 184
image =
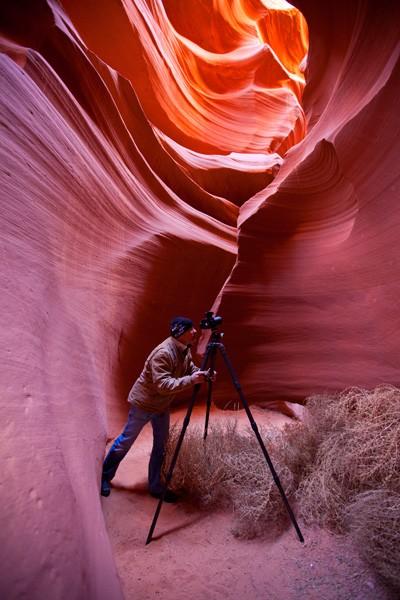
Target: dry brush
pixel 340 468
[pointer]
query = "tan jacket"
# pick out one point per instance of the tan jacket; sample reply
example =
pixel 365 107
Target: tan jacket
pixel 166 371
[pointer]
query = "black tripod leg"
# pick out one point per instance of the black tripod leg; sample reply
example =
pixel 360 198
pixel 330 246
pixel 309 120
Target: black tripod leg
pixel 209 383
pixel 260 441
pixel 178 447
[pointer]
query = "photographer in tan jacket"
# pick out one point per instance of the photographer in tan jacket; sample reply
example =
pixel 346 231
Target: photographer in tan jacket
pixel 168 370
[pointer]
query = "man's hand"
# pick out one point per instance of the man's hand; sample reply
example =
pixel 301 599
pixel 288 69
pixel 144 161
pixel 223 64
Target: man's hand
pixel 201 376
pixel 211 375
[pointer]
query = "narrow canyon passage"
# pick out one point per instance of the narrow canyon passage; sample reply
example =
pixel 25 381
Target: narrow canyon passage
pixel 167 157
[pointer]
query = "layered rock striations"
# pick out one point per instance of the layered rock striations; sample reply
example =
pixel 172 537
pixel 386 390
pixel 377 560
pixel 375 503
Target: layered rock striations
pixel 157 158
pixel 314 291
pixel 103 239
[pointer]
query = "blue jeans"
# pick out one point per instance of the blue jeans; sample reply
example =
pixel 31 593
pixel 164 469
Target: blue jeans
pixel 137 419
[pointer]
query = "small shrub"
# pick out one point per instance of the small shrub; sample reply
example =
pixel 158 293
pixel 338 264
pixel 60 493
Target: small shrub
pixel 229 470
pixel 341 466
pixel 373 519
pixel 358 449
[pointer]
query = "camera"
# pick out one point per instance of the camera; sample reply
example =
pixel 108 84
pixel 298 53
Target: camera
pixel 209 321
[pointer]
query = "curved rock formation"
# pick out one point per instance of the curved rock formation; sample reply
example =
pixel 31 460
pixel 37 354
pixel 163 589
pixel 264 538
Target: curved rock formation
pixel 226 96
pixel 134 138
pixel 313 297
pixel 96 221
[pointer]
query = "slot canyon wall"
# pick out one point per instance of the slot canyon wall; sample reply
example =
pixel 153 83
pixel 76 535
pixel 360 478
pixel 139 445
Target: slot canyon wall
pixel 160 158
pixel 324 313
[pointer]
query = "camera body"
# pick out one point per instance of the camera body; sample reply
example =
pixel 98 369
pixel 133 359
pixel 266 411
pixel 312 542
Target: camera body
pixel 210 322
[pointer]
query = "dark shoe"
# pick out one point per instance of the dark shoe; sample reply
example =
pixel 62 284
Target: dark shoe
pixel 105 487
pixel 169 496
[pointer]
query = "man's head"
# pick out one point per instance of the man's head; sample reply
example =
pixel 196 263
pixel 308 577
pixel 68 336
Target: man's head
pixel 182 329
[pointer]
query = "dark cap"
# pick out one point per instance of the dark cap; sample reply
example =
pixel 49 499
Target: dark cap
pixel 179 325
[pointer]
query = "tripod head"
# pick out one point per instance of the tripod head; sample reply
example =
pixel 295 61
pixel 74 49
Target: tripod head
pixel 216 336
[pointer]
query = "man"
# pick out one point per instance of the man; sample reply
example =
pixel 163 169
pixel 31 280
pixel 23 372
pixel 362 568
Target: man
pixel 168 369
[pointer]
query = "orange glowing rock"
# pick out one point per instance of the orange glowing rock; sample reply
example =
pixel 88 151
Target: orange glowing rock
pixel 206 96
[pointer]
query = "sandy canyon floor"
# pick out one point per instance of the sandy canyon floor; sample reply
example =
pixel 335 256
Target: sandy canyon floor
pixel 195 555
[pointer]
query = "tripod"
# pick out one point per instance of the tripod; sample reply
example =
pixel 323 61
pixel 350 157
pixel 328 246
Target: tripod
pixel 215 344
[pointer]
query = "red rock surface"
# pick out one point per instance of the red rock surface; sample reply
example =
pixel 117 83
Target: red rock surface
pixel 134 137
pixel 313 299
